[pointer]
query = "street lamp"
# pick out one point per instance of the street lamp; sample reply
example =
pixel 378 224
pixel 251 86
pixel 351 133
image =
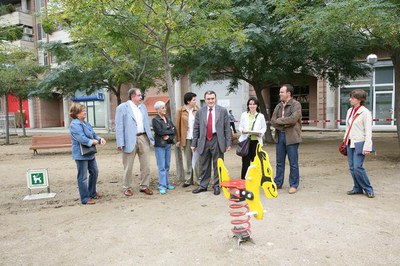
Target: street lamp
pixel 371 60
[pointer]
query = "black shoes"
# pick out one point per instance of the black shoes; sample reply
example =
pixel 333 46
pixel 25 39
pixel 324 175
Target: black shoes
pixel 217 190
pixel 199 190
pixel 353 192
pixel 185 185
pixel 369 194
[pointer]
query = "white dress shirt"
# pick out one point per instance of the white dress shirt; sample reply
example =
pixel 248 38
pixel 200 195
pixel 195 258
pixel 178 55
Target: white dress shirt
pixel 138 117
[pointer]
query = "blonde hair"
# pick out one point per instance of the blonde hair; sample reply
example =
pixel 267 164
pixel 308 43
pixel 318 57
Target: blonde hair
pixel 75 109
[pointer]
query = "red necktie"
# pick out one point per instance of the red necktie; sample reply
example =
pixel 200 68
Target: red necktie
pixel 209 125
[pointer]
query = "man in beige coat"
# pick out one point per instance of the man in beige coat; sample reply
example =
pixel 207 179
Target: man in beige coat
pixel 286 119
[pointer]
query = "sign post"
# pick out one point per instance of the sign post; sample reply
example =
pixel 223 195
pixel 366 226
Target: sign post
pixel 38 179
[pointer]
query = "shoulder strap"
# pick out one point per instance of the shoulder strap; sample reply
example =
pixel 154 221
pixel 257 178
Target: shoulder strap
pixel 255 118
pixel 348 132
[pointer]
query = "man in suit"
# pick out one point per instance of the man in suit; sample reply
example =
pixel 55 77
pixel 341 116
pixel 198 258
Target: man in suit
pixel 212 138
pixel 133 136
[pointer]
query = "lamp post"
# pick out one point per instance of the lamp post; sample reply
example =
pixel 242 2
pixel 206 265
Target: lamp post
pixel 371 60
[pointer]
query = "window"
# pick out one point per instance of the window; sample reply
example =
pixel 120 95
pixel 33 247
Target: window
pixel 380 99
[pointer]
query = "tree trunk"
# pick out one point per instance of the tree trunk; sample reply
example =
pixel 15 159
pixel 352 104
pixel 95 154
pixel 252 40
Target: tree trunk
pixel 7 121
pixel 396 65
pixel 171 92
pixel 117 93
pixel 22 117
pixel 268 135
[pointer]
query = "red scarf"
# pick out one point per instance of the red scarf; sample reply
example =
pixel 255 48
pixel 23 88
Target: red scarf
pixel 353 112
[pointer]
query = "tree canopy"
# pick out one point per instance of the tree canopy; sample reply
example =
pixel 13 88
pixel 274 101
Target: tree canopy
pixel 355 27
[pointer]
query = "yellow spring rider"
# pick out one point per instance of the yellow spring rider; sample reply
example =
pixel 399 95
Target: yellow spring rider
pixel 259 175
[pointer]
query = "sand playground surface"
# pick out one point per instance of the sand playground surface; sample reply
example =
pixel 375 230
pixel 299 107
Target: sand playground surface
pixel 319 225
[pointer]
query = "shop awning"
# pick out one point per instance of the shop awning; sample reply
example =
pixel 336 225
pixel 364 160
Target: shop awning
pixel 88 98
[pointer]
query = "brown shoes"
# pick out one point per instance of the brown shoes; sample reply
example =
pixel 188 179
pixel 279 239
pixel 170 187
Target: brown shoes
pixel 99 195
pixel 90 202
pixel 128 192
pixel 147 191
pixel 292 190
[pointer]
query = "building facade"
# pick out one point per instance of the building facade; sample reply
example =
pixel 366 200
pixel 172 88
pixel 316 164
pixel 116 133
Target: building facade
pixel 323 106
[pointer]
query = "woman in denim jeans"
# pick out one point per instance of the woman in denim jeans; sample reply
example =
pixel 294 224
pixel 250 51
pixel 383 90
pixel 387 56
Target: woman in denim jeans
pixel 83 133
pixel 360 120
pixel 164 134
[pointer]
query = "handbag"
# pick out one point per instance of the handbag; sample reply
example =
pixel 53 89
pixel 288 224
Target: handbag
pixel 86 150
pixel 242 148
pixel 343 145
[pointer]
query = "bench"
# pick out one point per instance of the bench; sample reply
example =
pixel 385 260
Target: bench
pixel 50 142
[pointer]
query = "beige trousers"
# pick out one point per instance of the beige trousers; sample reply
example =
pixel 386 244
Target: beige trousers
pixel 142 149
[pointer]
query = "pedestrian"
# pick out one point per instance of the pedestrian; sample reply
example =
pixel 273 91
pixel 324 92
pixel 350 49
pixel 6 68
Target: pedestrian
pixel 82 133
pixel 184 128
pixel 164 134
pixel 211 138
pixel 252 125
pixel 232 121
pixel 286 119
pixel 359 131
pixel 133 136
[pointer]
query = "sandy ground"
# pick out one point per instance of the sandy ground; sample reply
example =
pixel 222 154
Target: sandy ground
pixel 320 225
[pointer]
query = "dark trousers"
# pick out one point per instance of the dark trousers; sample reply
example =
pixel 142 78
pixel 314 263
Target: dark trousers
pixel 233 127
pixel 209 157
pixel 246 160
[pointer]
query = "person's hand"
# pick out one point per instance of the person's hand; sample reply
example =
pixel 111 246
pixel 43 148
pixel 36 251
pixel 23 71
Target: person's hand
pixel 165 137
pixel 95 142
pixel 228 148
pixel 193 149
pixel 245 132
pixel 102 141
pixel 178 144
pixel 366 152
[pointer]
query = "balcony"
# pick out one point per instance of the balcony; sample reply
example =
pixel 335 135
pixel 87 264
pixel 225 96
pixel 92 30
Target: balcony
pixel 25 43
pixel 18 17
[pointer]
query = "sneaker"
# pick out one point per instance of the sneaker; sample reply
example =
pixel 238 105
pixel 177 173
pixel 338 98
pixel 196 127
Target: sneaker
pixel 163 191
pixel 292 190
pixel 370 195
pixel 170 187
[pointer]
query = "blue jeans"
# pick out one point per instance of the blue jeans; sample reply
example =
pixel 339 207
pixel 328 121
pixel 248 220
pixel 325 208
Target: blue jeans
pixel 163 156
pixel 87 187
pixel 357 171
pixel 293 155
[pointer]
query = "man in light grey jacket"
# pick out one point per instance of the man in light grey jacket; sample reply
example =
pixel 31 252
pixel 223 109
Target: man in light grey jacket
pixel 211 138
pixel 133 136
pixel 286 119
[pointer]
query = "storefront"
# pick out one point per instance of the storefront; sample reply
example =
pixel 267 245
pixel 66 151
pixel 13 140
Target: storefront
pixel 95 107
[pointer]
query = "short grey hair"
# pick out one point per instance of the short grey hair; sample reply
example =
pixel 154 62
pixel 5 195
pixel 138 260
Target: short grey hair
pixel 158 105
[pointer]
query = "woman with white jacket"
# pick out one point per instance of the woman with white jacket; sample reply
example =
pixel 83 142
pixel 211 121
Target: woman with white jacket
pixel 359 143
pixel 253 126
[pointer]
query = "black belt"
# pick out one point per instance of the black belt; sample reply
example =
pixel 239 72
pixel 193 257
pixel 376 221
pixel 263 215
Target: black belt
pixel 141 133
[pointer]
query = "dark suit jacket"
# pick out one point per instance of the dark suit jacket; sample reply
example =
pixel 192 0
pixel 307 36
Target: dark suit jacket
pixel 222 127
